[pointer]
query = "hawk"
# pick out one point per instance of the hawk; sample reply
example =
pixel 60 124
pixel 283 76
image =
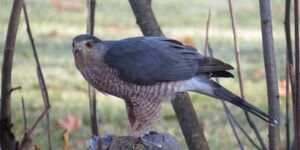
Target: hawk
pixel 144 71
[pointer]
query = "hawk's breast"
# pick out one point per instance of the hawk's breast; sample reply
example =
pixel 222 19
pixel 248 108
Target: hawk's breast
pixel 106 79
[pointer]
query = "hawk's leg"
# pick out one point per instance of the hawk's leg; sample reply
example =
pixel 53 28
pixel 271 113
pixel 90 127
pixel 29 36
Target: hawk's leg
pixel 142 113
pixel 131 117
pixel 130 113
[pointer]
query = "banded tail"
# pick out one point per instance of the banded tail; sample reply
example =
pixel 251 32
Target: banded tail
pixel 224 94
pixel 203 85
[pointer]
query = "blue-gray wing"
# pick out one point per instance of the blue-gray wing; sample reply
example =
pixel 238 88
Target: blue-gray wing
pixel 147 60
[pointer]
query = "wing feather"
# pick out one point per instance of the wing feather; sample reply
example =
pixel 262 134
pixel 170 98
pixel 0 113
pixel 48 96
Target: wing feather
pixel 147 60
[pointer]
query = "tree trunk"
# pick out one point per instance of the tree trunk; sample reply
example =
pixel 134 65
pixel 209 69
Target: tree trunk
pixel 7 139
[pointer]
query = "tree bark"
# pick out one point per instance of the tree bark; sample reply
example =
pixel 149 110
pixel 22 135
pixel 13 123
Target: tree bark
pixel 189 123
pixel 182 104
pixel 271 74
pixel 145 17
pixel 7 139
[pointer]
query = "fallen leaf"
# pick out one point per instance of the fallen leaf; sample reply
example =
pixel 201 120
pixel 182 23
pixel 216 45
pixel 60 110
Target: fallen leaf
pixel 68 5
pixel 36 147
pixel 185 40
pixel 70 122
pixel 188 41
pixel 65 137
pixel 257 75
pixel 282 88
pixel 35 105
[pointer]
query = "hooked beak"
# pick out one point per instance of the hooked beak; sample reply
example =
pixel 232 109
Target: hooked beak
pixel 75 50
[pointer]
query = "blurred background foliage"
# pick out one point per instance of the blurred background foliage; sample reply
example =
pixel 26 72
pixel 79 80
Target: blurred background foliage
pixel 55 22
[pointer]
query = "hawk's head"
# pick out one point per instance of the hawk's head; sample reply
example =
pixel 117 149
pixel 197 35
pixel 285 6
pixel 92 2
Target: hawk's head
pixel 84 42
pixel 87 48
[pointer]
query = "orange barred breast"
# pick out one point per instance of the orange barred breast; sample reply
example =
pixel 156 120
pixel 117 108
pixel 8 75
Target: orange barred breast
pixel 106 79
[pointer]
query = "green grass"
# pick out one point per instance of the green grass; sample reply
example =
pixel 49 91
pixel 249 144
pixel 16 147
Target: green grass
pixel 54 29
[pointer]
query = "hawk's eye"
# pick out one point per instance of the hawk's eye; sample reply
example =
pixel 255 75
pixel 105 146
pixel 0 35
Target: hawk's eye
pixel 89 44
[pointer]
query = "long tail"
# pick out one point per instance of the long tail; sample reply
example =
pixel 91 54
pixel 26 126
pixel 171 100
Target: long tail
pixel 220 92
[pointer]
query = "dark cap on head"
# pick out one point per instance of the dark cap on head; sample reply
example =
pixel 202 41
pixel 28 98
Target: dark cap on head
pixel 84 37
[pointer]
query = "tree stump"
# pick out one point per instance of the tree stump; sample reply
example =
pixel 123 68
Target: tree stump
pixel 151 141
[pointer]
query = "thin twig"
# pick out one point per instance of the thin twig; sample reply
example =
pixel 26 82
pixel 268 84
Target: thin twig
pixel 289 51
pixel 210 53
pixel 93 110
pixel 289 67
pixel 287 107
pixel 244 132
pixel 227 111
pixel 297 74
pixel 26 147
pixel 91 91
pixel 91 4
pixel 271 73
pixel 15 88
pixel 207 33
pixel 42 84
pixel 240 75
pixel 7 139
pixel 231 117
pixel 24 114
pixel 38 120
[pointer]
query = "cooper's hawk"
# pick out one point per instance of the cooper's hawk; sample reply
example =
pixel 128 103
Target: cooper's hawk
pixel 144 71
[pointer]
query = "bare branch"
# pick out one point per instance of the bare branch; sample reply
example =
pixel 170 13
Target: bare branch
pixel 182 104
pixel 297 74
pixel 27 136
pixel 289 66
pixel 231 118
pixel 26 147
pixel 240 75
pixel 208 48
pixel 91 91
pixel 42 84
pixel 244 132
pixel 207 33
pixel 145 17
pixel 287 106
pixel 271 74
pixel 26 141
pixel 7 139
pixel 24 114
pixel 93 111
pixel 229 115
pixel 289 53
pixel 191 128
pixel 15 88
pixel 91 4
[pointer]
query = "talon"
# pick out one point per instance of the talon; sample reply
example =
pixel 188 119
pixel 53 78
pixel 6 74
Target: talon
pixel 134 128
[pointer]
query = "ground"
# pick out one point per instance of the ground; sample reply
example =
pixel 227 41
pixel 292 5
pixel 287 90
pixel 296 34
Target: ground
pixel 55 23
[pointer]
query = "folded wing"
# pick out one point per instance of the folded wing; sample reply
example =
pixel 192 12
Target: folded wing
pixel 147 60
